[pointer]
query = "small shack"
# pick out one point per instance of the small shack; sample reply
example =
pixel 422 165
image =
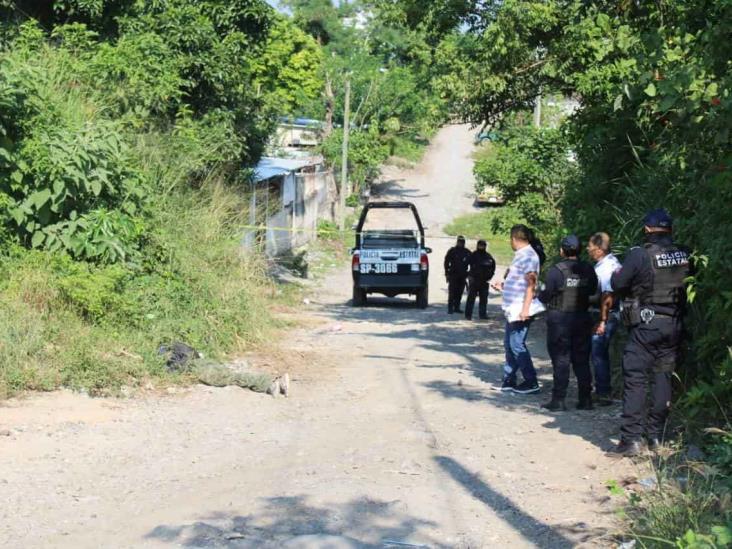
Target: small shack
pixel 298 133
pixel 288 197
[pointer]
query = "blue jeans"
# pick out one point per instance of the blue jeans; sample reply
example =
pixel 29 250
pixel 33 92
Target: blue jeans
pixel 517 354
pixel 601 357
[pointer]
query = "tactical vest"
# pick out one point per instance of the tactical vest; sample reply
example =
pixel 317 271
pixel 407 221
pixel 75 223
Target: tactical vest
pixel 574 296
pixel 670 268
pixel 485 267
pixel 457 261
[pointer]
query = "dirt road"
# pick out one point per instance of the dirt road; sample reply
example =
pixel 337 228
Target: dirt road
pixel 394 433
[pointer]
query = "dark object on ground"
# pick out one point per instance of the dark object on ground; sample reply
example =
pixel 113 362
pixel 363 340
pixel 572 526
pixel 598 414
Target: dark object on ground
pixel 178 356
pixel 183 358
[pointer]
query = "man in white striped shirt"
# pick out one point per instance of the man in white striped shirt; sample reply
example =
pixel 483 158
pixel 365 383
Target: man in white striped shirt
pixel 519 306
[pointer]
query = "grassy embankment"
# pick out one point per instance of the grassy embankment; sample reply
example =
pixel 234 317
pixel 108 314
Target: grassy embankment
pixel 97 328
pixel 167 266
pixel 407 150
pixel 480 225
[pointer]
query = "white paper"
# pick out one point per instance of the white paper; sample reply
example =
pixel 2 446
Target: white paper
pixel 514 311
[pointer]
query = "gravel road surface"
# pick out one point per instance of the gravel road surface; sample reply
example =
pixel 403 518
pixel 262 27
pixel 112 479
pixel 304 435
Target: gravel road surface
pixel 394 434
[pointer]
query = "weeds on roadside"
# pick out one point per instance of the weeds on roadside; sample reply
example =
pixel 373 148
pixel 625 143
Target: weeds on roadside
pixel 96 327
pixel 686 504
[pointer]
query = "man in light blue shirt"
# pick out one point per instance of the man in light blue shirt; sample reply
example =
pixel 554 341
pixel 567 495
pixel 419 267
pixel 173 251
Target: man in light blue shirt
pixel 606 264
pixel 519 306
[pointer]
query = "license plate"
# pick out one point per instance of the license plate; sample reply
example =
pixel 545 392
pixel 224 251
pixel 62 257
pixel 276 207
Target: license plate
pixel 379 268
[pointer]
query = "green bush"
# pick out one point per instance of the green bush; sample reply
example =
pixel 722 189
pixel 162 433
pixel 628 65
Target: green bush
pixel 95 293
pixel 409 149
pixel 530 169
pixel 366 153
pixel 120 203
pixel 6 235
pixel 71 180
pixel 327 229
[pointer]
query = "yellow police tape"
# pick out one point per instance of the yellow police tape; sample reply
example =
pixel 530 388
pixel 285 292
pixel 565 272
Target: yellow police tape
pixel 327 231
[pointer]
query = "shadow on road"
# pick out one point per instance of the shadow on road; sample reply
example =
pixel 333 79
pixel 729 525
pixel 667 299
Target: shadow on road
pixel 394 311
pixel 477 349
pixel 532 529
pixel 362 522
pixel 391 189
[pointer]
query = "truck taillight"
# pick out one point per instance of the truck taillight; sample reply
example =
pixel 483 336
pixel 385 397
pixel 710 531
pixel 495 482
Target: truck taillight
pixel 355 262
pixel 424 262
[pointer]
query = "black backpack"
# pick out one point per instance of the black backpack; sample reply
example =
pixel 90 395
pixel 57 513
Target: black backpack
pixel 538 247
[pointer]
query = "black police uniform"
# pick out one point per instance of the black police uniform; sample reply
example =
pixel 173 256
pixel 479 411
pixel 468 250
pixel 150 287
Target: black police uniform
pixel 568 288
pixel 481 269
pixel 456 271
pixel 651 283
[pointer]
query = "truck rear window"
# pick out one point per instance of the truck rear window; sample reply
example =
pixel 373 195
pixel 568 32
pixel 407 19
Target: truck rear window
pixel 385 239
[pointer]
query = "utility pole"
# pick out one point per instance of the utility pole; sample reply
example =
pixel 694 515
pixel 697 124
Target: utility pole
pixel 537 111
pixel 344 157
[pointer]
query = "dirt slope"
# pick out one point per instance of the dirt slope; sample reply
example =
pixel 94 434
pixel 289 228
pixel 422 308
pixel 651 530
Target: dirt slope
pixel 394 433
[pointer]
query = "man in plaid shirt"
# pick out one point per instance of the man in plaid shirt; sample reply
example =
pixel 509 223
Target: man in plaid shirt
pixel 519 307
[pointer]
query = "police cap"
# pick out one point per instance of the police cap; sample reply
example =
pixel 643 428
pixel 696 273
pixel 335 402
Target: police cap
pixel 481 243
pixel 658 218
pixel 461 238
pixel 570 244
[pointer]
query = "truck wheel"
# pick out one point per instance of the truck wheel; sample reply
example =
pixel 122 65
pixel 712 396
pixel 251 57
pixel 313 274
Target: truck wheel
pixel 359 296
pixel 422 297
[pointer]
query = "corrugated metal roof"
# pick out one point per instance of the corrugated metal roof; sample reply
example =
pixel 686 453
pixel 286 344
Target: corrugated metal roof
pixel 272 167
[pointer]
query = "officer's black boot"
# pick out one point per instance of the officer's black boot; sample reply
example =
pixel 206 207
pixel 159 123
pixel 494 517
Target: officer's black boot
pixel 627 448
pixel 555 405
pixel 585 403
pixel 654 443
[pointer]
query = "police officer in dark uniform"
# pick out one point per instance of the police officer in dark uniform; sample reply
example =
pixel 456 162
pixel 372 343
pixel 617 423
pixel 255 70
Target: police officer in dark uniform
pixel 456 271
pixel 568 287
pixel 651 285
pixel 481 269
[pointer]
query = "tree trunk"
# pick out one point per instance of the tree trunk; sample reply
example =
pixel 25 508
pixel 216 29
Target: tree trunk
pixel 329 106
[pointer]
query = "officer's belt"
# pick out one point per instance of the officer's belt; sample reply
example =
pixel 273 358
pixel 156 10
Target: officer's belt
pixel 649 313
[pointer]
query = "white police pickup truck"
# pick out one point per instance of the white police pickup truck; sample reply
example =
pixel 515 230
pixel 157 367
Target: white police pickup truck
pixel 390 261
